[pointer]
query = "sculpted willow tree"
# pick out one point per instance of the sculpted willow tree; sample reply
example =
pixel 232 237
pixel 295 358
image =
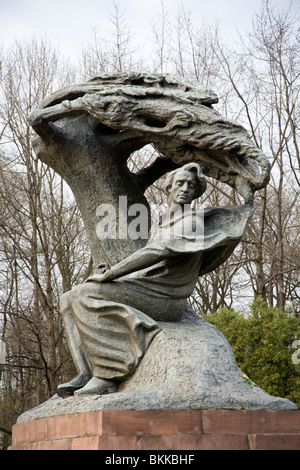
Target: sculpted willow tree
pixel 87 132
pixel 128 334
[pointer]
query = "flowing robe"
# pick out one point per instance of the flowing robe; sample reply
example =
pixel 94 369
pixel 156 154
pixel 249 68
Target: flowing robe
pixel 116 321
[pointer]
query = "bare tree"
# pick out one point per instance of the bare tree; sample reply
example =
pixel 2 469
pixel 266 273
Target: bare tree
pixel 161 29
pixel 113 51
pixel 263 77
pixel 42 251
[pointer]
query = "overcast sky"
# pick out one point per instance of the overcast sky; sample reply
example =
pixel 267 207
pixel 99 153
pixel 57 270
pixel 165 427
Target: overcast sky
pixel 69 22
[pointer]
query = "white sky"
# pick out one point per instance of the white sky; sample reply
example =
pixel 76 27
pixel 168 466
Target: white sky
pixel 69 22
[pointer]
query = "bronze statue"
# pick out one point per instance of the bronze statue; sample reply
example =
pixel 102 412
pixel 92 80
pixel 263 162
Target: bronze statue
pixel 116 312
pixel 129 328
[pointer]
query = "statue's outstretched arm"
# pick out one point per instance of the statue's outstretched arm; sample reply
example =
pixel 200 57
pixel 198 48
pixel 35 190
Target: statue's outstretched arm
pixel 140 259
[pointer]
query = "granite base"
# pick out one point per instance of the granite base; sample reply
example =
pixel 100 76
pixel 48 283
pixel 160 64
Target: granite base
pixel 162 430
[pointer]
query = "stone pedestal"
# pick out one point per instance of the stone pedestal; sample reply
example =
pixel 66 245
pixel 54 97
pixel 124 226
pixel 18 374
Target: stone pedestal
pixel 162 430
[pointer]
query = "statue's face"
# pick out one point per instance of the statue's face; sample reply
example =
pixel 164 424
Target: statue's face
pixel 183 188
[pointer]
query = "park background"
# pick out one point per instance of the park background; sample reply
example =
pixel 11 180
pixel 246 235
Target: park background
pixel 249 56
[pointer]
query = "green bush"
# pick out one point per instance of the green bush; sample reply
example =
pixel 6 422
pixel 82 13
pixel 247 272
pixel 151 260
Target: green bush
pixel 263 342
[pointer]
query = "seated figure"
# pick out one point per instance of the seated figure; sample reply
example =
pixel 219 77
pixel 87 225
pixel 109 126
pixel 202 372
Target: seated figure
pixel 111 319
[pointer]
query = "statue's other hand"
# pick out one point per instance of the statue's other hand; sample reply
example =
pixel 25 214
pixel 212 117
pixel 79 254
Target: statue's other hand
pixel 102 268
pixel 101 277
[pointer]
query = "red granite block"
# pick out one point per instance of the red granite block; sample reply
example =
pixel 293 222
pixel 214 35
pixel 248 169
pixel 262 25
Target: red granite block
pixel 31 431
pixel 149 421
pixel 65 426
pixel 24 446
pixel 194 442
pixel 41 430
pixel 274 441
pixel 93 423
pixel 251 421
pixel 16 447
pixel 56 444
pixel 114 442
pixel 18 433
pixel 85 443
pixel 164 430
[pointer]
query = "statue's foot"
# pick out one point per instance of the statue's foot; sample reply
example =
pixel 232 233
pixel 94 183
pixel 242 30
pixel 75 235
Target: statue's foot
pixel 97 386
pixel 68 389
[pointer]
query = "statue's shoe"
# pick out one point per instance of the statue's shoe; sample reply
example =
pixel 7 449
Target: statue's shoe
pixel 68 389
pixel 97 386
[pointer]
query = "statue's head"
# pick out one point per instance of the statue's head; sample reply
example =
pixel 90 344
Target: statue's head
pixel 185 184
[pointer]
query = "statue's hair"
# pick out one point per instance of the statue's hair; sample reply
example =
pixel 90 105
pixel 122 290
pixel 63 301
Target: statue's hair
pixel 193 168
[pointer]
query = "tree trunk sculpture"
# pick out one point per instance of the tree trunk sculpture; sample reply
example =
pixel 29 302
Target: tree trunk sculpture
pixel 87 132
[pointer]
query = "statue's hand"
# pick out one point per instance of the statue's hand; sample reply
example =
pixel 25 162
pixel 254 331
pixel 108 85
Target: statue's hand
pixel 36 117
pixel 102 268
pixel 101 277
